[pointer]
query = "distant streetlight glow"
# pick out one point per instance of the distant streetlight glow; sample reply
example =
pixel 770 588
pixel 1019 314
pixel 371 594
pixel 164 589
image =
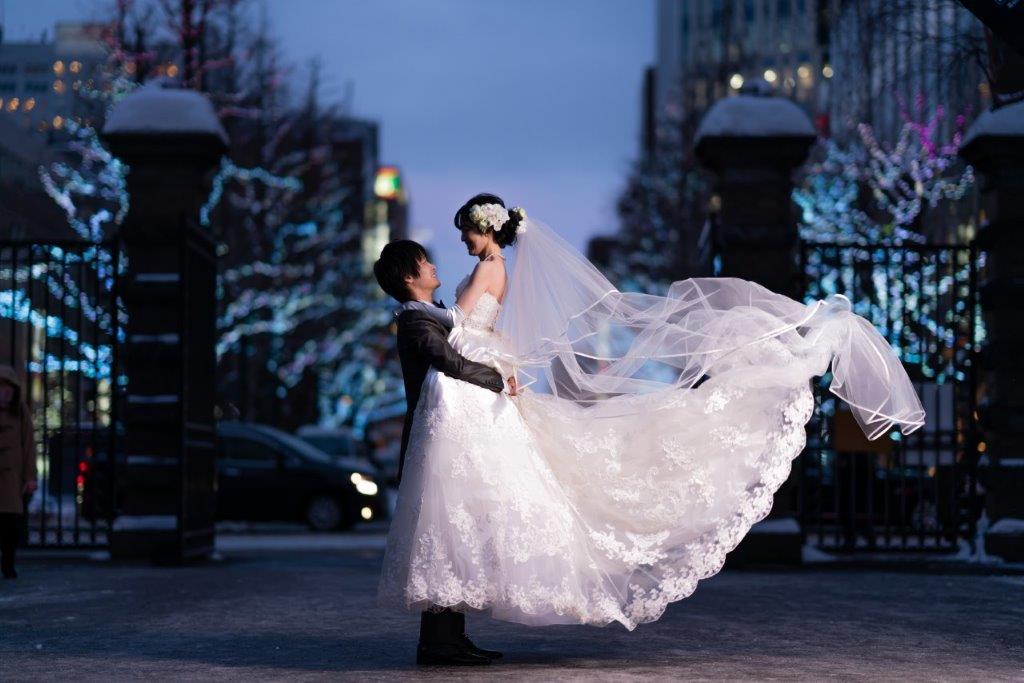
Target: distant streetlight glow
pixel 826 71
pixel 770 75
pixel 736 82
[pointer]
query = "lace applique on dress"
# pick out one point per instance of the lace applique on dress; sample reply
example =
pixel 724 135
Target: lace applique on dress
pixel 484 314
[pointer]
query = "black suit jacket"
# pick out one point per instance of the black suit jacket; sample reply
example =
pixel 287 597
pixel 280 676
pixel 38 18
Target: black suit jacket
pixel 423 344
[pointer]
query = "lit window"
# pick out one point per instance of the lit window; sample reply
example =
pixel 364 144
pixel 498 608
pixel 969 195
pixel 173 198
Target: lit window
pixel 826 71
pixel 76 67
pixel 58 67
pixel 804 72
pixel 30 104
pixel 58 122
pixel 12 104
pixel 58 87
pixel 172 70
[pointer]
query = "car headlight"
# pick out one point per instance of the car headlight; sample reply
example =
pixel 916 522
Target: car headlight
pixel 364 484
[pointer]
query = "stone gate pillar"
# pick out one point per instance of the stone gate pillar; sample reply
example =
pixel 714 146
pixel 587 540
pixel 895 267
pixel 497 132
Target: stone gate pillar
pixel 753 142
pixel 171 140
pixel 994 145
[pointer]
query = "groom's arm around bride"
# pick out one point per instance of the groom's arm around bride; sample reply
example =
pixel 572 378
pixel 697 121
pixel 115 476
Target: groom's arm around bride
pixel 422 344
pixel 404 272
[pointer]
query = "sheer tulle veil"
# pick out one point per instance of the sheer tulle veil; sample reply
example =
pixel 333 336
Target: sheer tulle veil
pixel 574 335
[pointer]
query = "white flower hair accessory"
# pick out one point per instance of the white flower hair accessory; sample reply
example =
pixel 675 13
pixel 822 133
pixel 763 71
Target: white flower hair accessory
pixel 488 217
pixel 520 212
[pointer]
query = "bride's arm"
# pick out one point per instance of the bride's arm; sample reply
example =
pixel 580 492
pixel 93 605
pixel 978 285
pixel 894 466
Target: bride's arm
pixel 485 278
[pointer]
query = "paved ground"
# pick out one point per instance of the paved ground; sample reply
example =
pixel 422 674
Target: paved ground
pixel 300 608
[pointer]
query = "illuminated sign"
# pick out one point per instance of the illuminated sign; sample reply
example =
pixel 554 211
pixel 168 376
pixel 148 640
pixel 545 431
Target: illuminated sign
pixel 388 183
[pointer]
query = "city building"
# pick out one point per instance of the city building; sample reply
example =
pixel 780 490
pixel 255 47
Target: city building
pixel 899 58
pixel 40 81
pixel 707 49
pixel 390 213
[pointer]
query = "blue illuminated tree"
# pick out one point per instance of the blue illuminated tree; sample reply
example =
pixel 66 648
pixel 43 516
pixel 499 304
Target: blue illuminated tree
pixel 662 202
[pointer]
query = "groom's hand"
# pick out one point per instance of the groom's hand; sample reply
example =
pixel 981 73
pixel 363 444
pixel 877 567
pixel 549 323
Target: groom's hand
pixel 513 386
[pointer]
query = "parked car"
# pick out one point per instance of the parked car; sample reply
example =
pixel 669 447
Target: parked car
pixel 338 442
pixel 266 474
pixel 263 474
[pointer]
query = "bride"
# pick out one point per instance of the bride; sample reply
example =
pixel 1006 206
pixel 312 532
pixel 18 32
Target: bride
pixel 648 435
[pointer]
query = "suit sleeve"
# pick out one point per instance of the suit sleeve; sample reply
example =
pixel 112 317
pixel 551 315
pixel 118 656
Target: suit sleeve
pixel 434 347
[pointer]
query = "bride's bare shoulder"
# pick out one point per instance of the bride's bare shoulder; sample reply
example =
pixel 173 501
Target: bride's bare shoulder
pixel 489 272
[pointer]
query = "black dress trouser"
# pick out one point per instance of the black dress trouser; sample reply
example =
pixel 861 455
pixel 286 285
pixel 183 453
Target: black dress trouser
pixel 9 523
pixel 441 626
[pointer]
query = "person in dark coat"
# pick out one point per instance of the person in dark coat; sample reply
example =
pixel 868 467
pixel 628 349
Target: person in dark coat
pixel 404 272
pixel 17 464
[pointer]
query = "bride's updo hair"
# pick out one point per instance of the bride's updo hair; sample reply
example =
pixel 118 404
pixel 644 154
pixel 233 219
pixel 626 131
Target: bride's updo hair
pixel 506 236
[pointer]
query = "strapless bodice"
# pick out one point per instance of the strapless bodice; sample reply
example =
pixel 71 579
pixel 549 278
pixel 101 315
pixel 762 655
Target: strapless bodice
pixel 484 313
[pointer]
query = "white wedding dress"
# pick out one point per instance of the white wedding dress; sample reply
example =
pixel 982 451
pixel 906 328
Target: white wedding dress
pixel 541 509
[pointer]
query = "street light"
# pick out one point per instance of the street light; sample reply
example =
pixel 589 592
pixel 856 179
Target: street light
pixel 736 82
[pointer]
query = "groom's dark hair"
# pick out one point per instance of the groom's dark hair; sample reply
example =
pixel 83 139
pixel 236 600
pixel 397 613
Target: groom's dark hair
pixel 398 260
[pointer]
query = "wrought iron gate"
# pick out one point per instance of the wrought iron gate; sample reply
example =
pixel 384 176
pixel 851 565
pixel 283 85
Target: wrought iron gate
pixel 916 492
pixel 61 329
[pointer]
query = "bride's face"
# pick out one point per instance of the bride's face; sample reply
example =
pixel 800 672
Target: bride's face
pixel 476 242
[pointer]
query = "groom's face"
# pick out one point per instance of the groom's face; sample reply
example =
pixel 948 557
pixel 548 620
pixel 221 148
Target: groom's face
pixel 426 280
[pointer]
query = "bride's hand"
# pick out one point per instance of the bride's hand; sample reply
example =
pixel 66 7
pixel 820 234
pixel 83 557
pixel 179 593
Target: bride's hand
pixel 513 386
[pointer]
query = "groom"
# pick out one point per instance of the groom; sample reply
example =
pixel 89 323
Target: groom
pixel 404 272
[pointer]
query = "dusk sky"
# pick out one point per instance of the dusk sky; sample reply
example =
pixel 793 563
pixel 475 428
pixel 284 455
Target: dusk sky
pixel 535 100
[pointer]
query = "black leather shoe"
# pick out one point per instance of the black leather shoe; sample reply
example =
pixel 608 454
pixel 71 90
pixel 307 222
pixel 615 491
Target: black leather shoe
pixel 449 654
pixel 472 647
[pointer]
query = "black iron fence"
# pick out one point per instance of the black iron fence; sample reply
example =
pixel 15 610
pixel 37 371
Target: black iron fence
pixel 916 492
pixel 61 329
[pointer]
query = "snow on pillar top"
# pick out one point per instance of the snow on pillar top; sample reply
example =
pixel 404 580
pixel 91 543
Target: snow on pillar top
pixel 1005 122
pixel 154 110
pixel 754 113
